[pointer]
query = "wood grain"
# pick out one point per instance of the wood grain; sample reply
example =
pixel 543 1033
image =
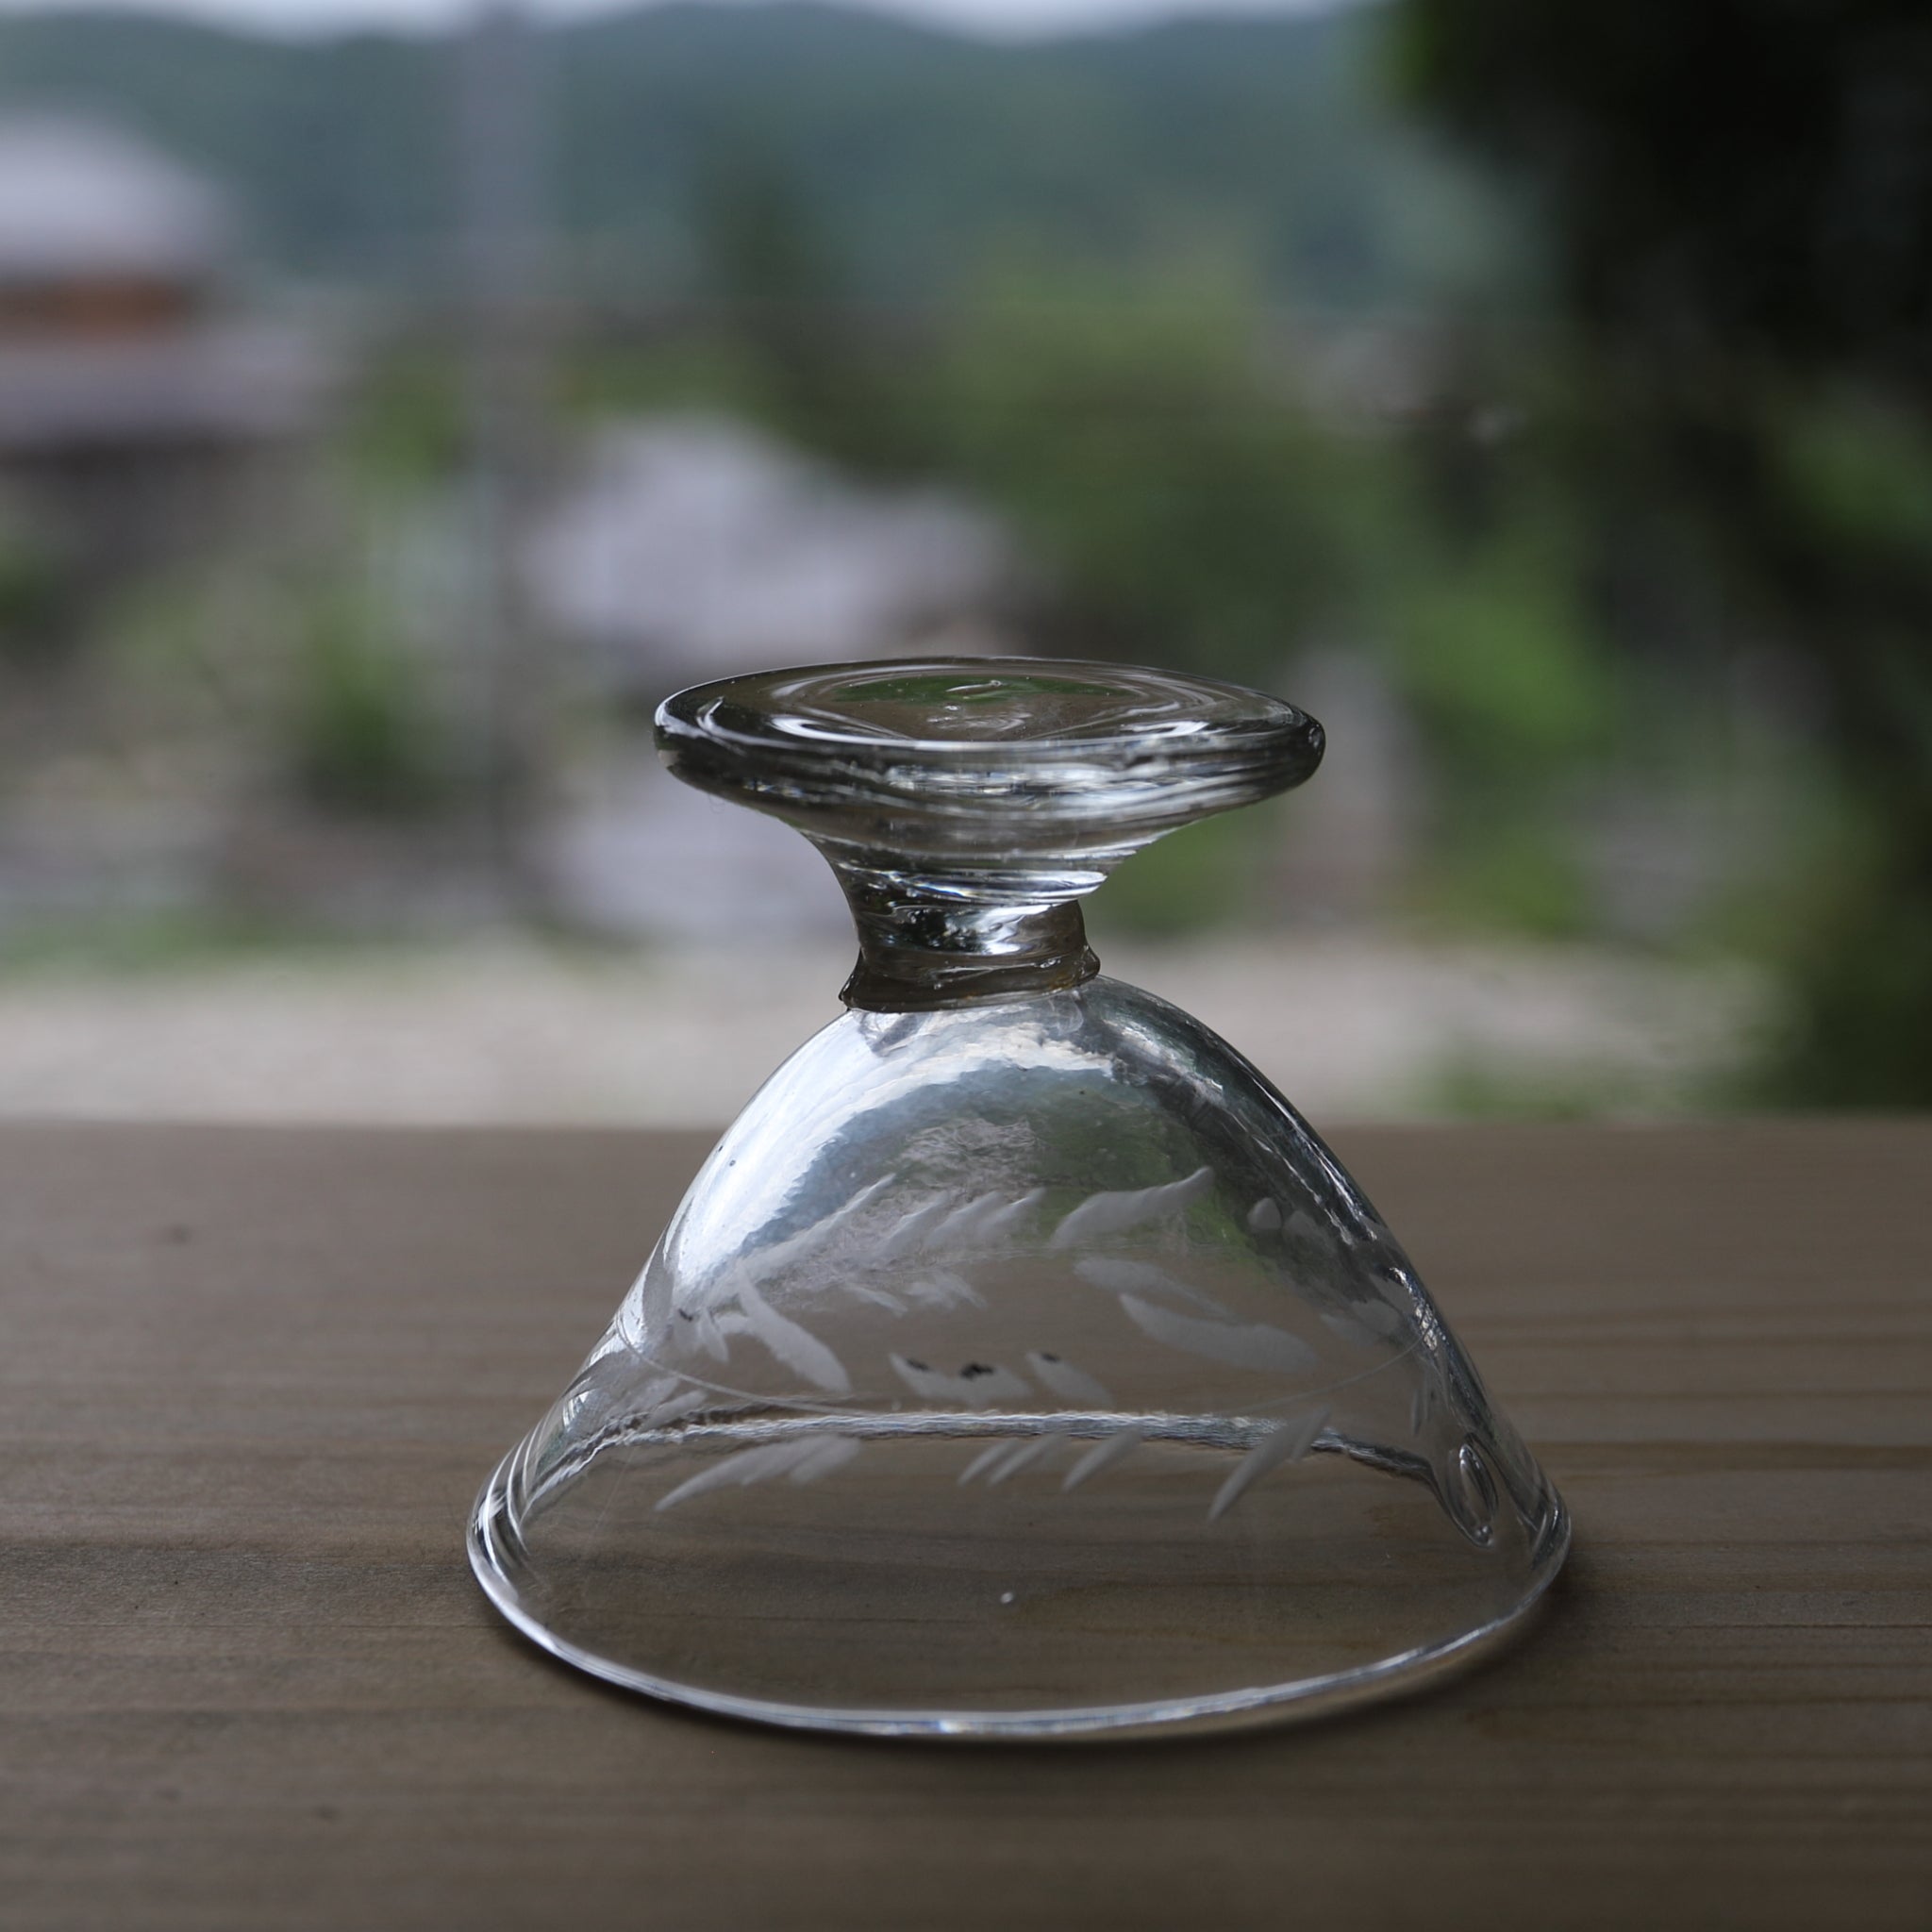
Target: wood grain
pixel 251 1379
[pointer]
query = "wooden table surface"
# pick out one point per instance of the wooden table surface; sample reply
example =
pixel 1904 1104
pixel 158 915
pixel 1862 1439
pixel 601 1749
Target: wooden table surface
pixel 251 1380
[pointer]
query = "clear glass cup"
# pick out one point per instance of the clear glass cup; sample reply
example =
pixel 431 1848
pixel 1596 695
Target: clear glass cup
pixel 1020 1364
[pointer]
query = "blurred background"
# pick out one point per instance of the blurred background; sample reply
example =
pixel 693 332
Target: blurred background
pixel 397 400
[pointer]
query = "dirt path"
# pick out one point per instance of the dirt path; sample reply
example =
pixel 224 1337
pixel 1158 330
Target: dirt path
pixel 498 1032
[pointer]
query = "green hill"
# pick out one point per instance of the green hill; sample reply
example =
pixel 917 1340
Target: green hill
pixel 916 151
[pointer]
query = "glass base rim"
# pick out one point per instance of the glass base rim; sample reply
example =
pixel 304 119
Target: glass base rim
pixel 1298 1699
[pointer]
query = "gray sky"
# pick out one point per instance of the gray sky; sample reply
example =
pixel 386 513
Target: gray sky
pixel 1015 19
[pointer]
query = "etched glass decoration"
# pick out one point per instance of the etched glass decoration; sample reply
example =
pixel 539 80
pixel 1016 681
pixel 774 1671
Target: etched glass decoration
pixel 1020 1363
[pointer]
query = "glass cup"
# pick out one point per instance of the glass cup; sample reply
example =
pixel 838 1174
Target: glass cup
pixel 1020 1364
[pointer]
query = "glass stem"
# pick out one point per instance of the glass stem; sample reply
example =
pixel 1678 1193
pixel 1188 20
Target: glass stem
pixel 934 939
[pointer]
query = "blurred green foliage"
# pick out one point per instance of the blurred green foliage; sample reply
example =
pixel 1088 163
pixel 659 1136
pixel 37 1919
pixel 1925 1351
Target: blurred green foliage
pixel 1739 220
pixel 1186 883
pixel 1505 666
pixel 364 738
pixel 1186 507
pixel 404 432
pixel 35 592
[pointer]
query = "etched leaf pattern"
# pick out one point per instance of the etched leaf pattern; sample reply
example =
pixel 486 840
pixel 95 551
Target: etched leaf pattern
pixel 802 1461
pixel 947 1226
pixel 1288 1443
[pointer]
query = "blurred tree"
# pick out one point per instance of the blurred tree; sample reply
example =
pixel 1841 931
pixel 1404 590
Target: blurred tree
pixel 364 738
pixel 1186 507
pixel 35 594
pixel 771 264
pixel 1739 199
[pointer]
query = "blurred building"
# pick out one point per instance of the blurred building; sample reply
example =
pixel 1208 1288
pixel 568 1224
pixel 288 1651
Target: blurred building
pixel 693 547
pixel 140 404
pixel 696 546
